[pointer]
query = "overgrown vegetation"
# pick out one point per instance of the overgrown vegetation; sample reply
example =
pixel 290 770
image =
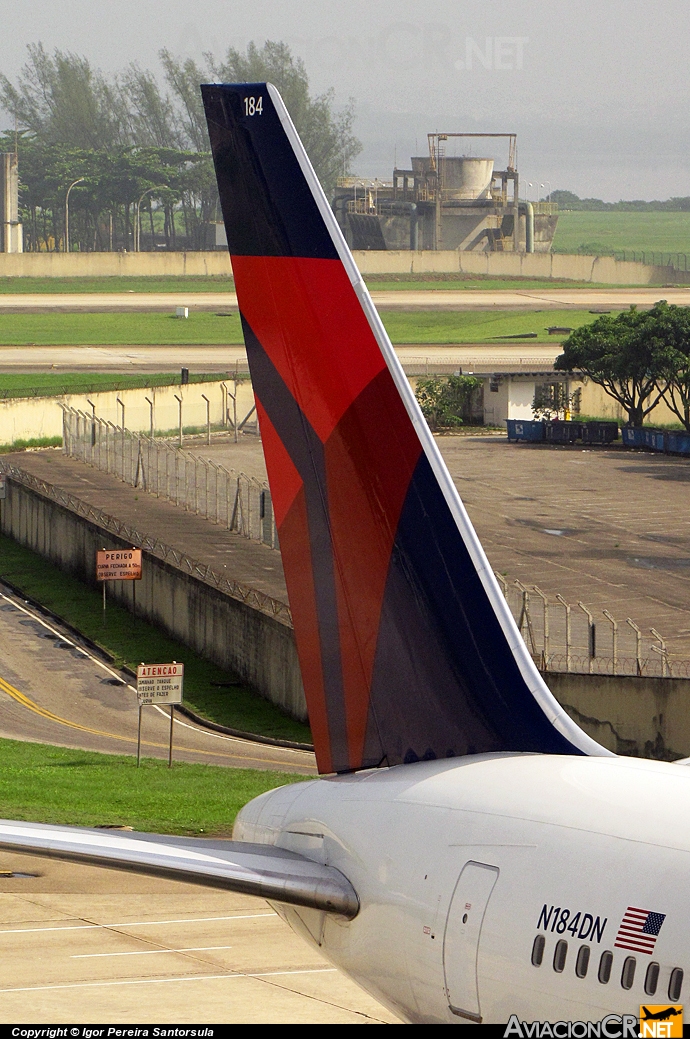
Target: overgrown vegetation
pixel 25 445
pixel 131 136
pixel 446 401
pixel 552 401
pixel 211 692
pixel 69 787
pixel 569 200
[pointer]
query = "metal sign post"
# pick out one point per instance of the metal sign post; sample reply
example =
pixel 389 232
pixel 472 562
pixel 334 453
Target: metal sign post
pixel 157 685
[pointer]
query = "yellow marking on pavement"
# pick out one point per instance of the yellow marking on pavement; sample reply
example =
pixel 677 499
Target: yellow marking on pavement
pixel 24 700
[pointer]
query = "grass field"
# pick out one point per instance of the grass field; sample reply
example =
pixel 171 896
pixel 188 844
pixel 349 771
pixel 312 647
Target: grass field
pixel 46 784
pixel 378 282
pixel 50 384
pixel 600 233
pixel 209 690
pixel 122 329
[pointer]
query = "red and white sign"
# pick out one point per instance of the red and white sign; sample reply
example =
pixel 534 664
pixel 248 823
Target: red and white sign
pixel 121 565
pixel 160 683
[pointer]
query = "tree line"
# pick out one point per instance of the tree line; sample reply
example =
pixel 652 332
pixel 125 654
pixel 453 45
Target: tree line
pixel 131 135
pixel 638 357
pixel 569 200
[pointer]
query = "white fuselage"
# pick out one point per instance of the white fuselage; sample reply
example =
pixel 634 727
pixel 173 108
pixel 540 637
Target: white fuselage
pixel 459 865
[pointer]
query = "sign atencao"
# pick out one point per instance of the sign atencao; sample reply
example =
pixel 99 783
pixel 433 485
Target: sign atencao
pixel 159 683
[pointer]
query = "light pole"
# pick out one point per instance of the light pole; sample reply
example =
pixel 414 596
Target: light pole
pixel 137 224
pixel 72 185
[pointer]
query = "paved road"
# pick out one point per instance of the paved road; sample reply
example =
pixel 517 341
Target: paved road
pixel 223 358
pixel 54 690
pixel 84 945
pixel 400 299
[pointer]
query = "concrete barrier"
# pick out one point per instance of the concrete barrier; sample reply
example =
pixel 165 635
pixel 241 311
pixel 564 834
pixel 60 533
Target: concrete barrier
pixel 571 267
pixel 601 269
pixel 233 633
pixel 27 418
pixel 642 717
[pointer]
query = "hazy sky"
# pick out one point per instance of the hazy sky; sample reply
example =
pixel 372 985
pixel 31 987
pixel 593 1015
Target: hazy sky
pixel 598 91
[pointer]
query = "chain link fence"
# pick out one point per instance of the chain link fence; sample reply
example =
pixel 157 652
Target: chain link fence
pixel 233 500
pixel 563 636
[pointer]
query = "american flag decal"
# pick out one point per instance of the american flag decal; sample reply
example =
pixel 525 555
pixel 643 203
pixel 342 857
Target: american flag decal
pixel 639 930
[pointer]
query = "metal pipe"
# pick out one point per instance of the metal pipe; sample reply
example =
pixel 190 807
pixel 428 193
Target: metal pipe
pixel 638 644
pixel 528 210
pixel 614 637
pixel 151 426
pixel 545 605
pixel 591 633
pixel 208 419
pixel 662 650
pixel 179 401
pixel 503 583
pixel 567 630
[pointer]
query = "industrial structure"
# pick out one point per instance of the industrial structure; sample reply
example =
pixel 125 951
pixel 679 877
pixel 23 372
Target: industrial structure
pixel 10 227
pixel 446 202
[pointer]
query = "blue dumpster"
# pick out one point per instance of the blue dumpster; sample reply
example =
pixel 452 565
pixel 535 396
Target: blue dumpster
pixel 524 429
pixel 678 443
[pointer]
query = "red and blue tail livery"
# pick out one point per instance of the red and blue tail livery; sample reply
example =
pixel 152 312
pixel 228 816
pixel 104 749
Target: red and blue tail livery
pixel 407 648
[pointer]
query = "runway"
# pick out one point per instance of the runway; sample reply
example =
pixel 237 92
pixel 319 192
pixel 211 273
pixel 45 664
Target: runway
pixel 55 690
pixel 223 359
pixel 395 299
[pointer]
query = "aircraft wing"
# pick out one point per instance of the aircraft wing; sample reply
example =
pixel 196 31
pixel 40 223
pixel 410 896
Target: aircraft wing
pixel 253 869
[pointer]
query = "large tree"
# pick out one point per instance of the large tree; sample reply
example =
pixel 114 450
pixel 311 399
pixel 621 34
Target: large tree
pixel 326 135
pixel 128 134
pixel 671 327
pixel 626 355
pixel 62 100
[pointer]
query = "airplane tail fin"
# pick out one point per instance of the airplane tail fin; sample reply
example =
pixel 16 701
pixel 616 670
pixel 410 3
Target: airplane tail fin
pixel 407 648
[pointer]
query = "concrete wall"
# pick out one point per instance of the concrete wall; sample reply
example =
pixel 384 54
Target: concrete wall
pixel 602 269
pixel 27 418
pixel 645 717
pixel 259 648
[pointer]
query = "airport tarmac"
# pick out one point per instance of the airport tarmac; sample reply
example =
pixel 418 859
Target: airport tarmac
pixel 87 945
pixel 395 299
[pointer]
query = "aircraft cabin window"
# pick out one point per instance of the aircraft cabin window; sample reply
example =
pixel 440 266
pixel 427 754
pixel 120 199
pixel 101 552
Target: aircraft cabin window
pixel 538 950
pixel 582 962
pixel 651 979
pixel 605 964
pixel 675 984
pixel 559 956
pixel 628 972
